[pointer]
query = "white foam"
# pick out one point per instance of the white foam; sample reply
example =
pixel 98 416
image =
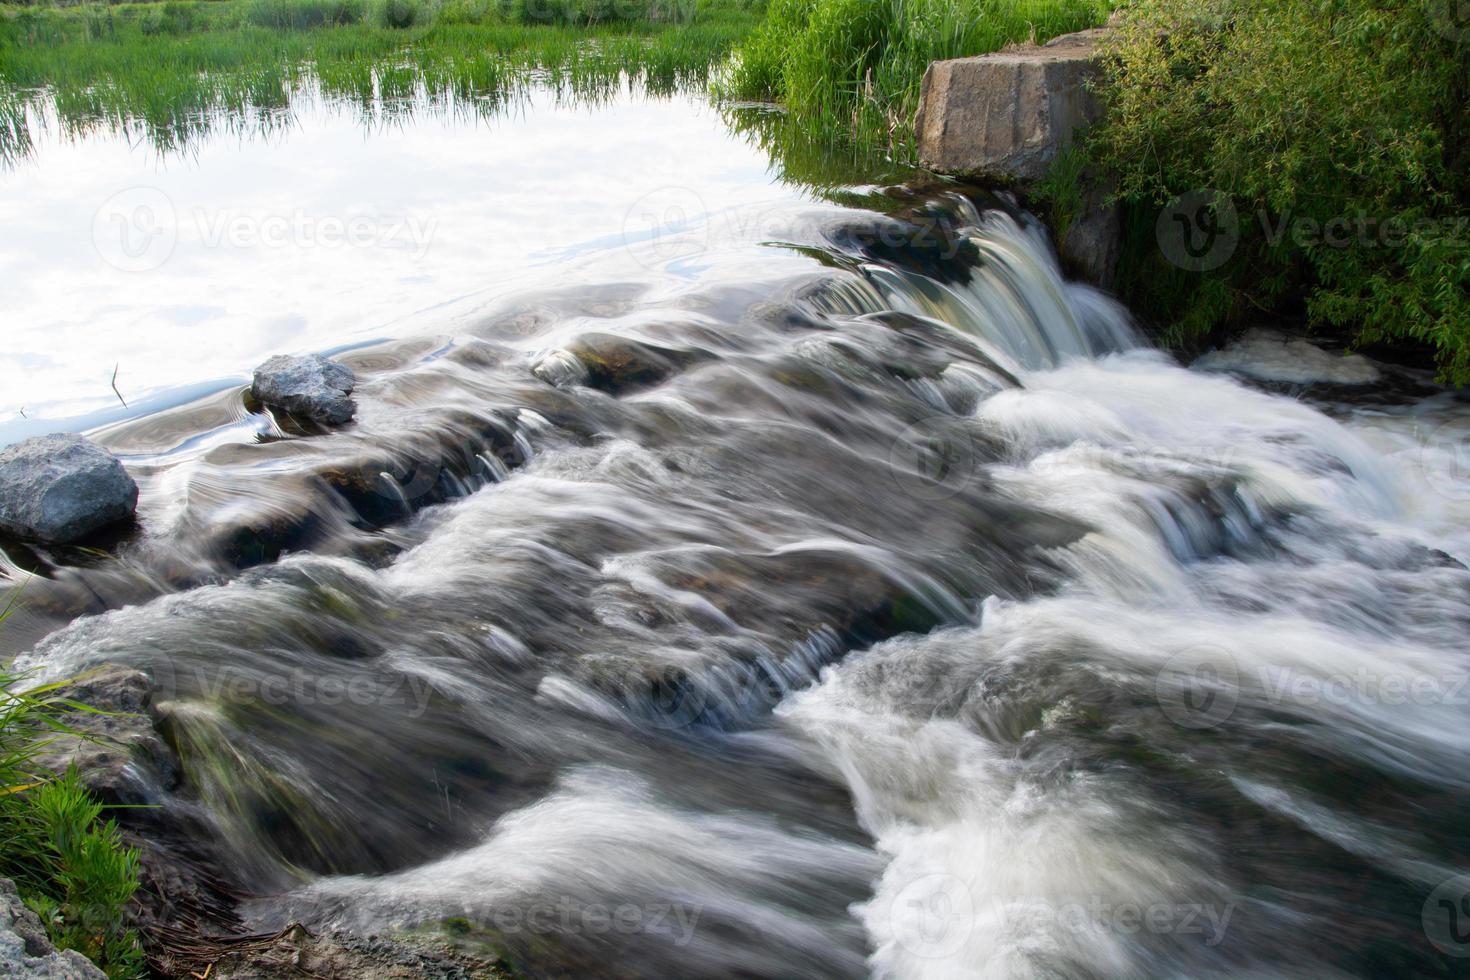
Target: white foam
pixel 1269 356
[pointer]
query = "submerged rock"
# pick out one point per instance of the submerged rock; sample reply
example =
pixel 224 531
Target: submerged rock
pixel 561 369
pixel 118 753
pixel 618 365
pixel 61 487
pixel 310 387
pixel 26 951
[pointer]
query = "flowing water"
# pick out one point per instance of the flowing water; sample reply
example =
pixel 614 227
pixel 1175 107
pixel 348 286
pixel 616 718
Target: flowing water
pixel 794 590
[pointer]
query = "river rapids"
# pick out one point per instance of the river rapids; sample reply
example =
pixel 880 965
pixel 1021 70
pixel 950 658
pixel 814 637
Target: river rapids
pixel 892 609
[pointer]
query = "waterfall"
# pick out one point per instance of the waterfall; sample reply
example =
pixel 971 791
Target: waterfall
pixel 879 614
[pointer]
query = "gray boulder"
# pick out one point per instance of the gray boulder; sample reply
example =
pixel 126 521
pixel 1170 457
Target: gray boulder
pixel 60 488
pixel 25 950
pixel 1008 114
pixel 310 387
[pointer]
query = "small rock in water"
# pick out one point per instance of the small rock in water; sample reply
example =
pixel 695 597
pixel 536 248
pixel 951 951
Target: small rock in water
pixel 618 365
pixel 310 387
pixel 560 368
pixel 62 487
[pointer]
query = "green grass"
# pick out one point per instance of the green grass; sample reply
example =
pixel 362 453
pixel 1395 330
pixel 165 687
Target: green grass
pixel 69 864
pixel 847 71
pixel 850 70
pixel 75 874
pixel 172 72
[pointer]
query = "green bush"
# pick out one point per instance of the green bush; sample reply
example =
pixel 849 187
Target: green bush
pixel 300 14
pixel 173 18
pixel 466 11
pixel 589 13
pixel 400 14
pixel 1339 129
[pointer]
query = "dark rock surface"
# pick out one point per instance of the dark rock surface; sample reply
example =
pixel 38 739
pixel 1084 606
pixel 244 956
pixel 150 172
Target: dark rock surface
pixel 309 387
pixel 297 953
pixel 117 752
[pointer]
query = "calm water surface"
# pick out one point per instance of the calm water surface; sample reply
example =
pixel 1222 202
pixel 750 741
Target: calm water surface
pixel 183 271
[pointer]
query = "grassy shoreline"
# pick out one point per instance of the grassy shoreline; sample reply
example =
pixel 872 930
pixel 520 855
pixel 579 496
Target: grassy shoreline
pixel 174 71
pixel 849 71
pixel 845 72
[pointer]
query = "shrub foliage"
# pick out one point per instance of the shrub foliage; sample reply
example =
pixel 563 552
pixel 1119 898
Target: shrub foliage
pixel 1340 130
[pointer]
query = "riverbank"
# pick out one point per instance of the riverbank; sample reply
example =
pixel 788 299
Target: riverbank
pixel 1323 154
pixel 1257 159
pixel 848 73
pixel 172 72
